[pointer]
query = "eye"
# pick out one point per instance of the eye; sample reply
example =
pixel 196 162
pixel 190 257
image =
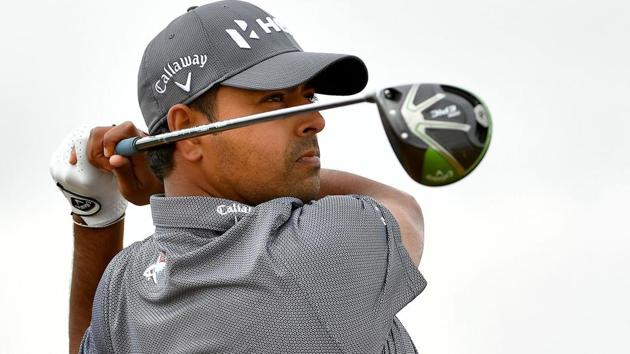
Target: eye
pixel 275 97
pixel 312 97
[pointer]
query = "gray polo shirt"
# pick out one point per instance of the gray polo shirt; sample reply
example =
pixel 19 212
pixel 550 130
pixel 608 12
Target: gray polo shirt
pixel 282 277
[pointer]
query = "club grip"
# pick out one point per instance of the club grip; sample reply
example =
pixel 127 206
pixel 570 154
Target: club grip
pixel 127 147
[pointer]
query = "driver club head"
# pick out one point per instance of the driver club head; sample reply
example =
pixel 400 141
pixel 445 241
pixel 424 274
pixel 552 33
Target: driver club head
pixel 439 133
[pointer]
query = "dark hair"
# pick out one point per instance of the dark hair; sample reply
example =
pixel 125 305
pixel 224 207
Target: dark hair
pixel 161 158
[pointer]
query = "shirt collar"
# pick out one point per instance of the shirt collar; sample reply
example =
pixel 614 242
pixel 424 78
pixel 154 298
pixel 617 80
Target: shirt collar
pixel 197 212
pixel 204 212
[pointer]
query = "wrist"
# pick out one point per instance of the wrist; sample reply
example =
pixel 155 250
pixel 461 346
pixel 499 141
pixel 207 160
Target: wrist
pixel 79 221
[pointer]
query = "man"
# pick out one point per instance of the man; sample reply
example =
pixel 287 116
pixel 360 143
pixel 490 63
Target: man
pixel 256 249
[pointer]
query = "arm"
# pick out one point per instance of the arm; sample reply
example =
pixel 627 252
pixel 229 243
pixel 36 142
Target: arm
pixel 402 205
pixel 94 248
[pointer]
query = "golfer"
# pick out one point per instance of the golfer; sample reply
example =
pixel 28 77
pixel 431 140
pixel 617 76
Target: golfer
pixel 256 248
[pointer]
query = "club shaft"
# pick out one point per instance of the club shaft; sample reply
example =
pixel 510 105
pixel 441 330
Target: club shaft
pixel 140 144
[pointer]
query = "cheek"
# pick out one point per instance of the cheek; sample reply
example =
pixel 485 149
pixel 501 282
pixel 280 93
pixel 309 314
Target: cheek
pixel 260 150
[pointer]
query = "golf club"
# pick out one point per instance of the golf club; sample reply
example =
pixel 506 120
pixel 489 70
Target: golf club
pixel 439 133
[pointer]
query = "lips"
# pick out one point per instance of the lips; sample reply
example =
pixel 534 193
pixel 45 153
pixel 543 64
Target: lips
pixel 310 156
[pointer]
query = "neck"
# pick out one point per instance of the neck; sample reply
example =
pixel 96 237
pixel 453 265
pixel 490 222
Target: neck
pixel 182 182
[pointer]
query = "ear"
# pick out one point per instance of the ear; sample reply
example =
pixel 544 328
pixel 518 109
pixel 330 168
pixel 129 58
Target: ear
pixel 181 117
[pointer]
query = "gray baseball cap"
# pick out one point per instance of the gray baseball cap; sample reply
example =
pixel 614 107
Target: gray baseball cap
pixel 236 44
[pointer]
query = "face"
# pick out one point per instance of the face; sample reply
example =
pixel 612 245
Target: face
pixel 267 160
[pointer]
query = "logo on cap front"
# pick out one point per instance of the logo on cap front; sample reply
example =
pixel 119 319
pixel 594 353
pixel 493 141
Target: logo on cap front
pixel 172 68
pixel 267 25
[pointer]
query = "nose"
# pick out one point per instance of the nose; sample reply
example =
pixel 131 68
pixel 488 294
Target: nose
pixel 310 124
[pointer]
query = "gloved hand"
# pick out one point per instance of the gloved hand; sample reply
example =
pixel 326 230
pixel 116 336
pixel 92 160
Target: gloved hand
pixel 93 193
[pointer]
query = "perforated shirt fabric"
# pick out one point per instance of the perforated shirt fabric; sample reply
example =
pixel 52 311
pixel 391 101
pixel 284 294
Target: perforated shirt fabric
pixel 217 276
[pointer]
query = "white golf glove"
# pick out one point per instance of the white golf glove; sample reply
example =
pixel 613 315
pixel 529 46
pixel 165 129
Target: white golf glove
pixel 93 194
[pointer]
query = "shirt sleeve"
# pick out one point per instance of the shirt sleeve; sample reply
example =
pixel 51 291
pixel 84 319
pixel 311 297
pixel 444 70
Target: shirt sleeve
pixel 97 338
pixel 87 343
pixel 346 254
pixel 97 335
pixel 93 339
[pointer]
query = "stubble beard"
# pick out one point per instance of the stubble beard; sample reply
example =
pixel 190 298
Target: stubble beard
pixel 299 185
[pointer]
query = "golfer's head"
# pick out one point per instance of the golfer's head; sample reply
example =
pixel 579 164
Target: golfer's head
pixel 229 59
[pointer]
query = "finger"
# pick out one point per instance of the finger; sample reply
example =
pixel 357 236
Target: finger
pixel 138 164
pixel 145 182
pixel 142 169
pixel 73 156
pixel 123 171
pixel 118 133
pixel 118 161
pixel 95 148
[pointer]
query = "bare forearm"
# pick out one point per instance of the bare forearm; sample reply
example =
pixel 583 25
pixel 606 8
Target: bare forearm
pixel 334 182
pixel 402 205
pixel 94 248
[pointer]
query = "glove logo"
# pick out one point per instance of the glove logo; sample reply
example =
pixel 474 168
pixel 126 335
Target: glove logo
pixel 85 205
pixel 81 205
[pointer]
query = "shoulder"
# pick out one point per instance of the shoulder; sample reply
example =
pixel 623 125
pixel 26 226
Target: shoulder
pixel 104 304
pixel 324 221
pixel 342 210
pixel 351 238
pixel 350 219
pixel 114 275
pixel 119 263
pixel 119 269
pixel 342 202
pixel 336 233
pixel 345 254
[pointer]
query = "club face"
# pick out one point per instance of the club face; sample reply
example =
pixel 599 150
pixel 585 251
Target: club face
pixel 439 133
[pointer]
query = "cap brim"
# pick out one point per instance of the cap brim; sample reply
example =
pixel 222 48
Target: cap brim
pixel 329 74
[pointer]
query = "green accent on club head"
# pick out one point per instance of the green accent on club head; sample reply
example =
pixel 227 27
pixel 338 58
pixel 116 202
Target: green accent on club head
pixel 488 138
pixel 430 154
pixel 437 171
